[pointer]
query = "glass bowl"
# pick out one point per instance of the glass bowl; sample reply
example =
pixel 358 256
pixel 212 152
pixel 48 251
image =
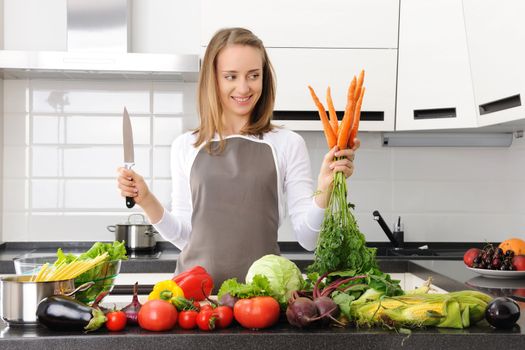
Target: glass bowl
pixel 30 265
pixel 103 275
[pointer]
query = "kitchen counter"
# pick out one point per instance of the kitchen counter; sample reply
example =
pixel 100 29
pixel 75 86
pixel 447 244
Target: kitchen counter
pixel 449 275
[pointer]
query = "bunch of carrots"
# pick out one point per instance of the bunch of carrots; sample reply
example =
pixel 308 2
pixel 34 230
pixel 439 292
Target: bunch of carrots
pixel 342 135
pixel 341 246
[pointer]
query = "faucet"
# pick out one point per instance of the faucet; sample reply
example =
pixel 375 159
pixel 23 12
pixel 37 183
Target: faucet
pixel 397 237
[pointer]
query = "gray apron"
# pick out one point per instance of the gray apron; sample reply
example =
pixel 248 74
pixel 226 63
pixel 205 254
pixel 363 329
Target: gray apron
pixel 235 210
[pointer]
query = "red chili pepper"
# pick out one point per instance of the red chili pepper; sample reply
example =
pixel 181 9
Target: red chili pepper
pixel 195 282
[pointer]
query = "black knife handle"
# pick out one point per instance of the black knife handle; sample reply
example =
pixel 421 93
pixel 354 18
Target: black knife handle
pixel 130 202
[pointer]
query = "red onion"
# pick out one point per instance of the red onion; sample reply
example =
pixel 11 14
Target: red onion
pixel 132 310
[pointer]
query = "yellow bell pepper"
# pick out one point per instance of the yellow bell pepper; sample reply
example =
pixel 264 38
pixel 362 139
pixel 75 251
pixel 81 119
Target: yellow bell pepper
pixel 165 290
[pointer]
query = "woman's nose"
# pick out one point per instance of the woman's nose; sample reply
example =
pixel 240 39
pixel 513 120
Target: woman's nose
pixel 243 86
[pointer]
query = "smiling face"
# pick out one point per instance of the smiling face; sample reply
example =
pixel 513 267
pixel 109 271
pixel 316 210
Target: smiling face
pixel 239 77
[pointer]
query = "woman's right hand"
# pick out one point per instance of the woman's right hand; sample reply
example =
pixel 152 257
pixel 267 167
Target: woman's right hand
pixel 131 184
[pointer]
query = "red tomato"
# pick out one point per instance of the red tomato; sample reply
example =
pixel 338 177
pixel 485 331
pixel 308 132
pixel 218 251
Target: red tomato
pixel 116 321
pixel 157 315
pixel 224 316
pixel 188 319
pixel 257 312
pixel 206 320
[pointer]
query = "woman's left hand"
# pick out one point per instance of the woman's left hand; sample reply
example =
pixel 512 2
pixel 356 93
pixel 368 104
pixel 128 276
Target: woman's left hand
pixel 331 166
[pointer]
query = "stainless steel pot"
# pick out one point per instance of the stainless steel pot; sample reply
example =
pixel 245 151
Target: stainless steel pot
pixel 20 297
pixel 138 236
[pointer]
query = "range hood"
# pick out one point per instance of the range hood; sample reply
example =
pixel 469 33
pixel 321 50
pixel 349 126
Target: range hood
pixel 98 37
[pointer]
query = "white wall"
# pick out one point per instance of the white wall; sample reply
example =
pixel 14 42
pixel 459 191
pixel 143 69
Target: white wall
pixel 442 194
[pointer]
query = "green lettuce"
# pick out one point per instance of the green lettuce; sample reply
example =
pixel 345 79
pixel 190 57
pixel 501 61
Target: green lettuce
pixel 284 276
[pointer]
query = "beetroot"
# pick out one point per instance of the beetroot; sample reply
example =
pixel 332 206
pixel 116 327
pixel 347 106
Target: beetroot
pixel 301 312
pixel 326 306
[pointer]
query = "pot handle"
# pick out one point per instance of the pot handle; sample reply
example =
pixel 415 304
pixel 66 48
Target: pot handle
pixel 81 288
pixel 111 228
pixel 151 233
pixel 143 219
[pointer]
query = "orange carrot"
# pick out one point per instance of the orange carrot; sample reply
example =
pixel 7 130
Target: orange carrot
pixel 360 81
pixel 344 129
pixel 328 132
pixel 331 110
pixel 357 117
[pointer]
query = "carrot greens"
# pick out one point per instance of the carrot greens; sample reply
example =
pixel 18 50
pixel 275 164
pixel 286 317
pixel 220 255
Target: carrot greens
pixel 341 245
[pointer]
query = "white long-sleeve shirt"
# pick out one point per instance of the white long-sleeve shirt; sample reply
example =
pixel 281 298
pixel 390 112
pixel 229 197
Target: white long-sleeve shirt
pixel 295 191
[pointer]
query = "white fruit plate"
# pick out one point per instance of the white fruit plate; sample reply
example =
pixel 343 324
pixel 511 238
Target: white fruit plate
pixel 498 273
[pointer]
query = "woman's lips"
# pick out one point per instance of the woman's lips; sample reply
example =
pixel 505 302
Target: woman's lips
pixel 242 100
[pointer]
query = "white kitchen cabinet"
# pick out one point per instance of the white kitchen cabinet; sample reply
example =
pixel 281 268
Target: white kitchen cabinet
pixel 496 43
pixel 434 88
pixel 307 23
pixel 321 68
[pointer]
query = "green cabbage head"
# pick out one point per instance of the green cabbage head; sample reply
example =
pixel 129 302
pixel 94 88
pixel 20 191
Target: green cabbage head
pixel 284 276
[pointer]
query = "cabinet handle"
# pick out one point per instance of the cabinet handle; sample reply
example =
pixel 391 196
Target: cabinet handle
pixel 500 105
pixel 434 113
pixel 311 115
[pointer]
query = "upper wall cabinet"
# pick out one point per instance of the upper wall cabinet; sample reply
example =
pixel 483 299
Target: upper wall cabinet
pixel 434 84
pixel 320 43
pixel 496 43
pixel 321 68
pixel 307 23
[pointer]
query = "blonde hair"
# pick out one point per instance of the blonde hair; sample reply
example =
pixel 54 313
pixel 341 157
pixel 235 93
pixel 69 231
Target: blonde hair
pixel 208 101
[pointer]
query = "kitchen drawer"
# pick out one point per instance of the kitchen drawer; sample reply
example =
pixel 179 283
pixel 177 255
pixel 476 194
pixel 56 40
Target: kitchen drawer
pixel 307 23
pixel 297 68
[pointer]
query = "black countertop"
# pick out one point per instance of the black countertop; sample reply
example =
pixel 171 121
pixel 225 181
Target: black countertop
pixel 447 274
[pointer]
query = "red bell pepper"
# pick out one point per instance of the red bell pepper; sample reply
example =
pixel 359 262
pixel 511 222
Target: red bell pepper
pixel 195 282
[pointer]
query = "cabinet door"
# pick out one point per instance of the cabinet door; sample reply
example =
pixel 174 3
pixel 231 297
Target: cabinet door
pixel 496 43
pixel 307 23
pixel 297 68
pixel 434 88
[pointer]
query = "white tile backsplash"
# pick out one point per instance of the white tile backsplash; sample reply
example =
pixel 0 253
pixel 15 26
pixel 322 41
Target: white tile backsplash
pixel 106 130
pixel 63 144
pixel 16 129
pixel 61 155
pixel 16 96
pixel 161 162
pixel 166 129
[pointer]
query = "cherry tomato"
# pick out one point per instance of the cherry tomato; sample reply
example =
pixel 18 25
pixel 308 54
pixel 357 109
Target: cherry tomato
pixel 157 315
pixel 188 319
pixel 224 316
pixel 256 312
pixel 206 319
pixel 116 321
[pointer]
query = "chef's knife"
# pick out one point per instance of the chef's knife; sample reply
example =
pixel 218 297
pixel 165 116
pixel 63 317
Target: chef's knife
pixel 129 154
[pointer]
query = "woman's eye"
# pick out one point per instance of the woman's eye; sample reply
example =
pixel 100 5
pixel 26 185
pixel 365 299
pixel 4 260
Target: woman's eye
pixel 229 77
pixel 254 76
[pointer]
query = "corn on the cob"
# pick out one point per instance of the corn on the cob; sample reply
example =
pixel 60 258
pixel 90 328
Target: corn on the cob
pixel 450 310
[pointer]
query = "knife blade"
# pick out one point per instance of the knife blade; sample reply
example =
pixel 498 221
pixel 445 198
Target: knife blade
pixel 129 153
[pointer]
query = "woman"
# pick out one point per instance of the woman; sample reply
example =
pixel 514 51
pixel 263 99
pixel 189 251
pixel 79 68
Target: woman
pixel 235 174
